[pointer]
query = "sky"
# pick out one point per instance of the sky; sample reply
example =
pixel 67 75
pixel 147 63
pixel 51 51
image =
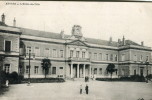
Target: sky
pixel 100 20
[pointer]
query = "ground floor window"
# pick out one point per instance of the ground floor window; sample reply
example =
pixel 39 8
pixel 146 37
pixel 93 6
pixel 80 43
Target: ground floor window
pixel 7 68
pixel 116 71
pixel 95 70
pixel 27 69
pixel 134 72
pixel 53 70
pixel 100 71
pixel 36 69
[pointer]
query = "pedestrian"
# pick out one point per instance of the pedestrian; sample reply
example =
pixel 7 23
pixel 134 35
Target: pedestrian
pixel 87 89
pixel 80 89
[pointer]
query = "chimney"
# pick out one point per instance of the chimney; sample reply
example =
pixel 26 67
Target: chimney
pixel 142 43
pixel 119 41
pixel 62 34
pixel 123 40
pixel 3 18
pixel 14 22
pixel 110 40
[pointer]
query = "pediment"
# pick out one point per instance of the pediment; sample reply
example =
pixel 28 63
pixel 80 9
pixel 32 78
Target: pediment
pixel 78 43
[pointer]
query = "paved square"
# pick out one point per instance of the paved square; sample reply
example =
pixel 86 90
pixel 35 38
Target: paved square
pixel 98 90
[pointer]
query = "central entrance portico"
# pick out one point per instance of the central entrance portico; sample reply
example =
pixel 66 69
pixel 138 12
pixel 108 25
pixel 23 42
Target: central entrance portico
pixel 79 70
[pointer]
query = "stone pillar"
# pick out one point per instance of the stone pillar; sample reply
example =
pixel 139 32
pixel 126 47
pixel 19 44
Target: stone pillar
pixel 71 70
pixel 90 71
pixel 77 70
pixel 84 70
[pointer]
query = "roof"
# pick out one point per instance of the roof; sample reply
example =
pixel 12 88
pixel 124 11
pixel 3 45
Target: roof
pixel 52 35
pixel 101 42
pixel 38 33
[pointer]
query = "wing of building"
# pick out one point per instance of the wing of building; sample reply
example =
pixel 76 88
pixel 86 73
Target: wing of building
pixel 71 56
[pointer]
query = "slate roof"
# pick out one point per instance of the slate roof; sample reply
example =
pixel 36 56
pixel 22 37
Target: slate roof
pixel 52 35
pixel 38 33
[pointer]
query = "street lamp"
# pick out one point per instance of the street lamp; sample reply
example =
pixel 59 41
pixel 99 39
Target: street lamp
pixel 29 66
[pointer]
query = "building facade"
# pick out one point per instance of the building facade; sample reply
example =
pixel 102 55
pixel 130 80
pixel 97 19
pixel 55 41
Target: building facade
pixel 71 56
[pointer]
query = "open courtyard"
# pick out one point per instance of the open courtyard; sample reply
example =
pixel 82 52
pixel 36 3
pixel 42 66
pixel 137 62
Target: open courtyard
pixel 70 90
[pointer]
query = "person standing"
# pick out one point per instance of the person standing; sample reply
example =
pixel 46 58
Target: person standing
pixel 87 89
pixel 80 89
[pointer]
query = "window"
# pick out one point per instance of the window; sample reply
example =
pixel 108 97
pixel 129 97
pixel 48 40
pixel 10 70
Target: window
pixel 27 69
pixel 83 54
pixel 46 52
pixel 90 54
pixel 7 68
pixel 71 53
pixel 61 70
pixel 134 72
pixel 116 71
pixel 141 58
pixel 111 57
pixel 7 46
pixel 135 57
pixel 115 57
pixel 100 71
pixel 77 54
pixel 61 53
pixel 54 53
pixel 37 51
pixel 100 56
pixel 95 56
pixel 147 58
pixel 123 57
pixel 95 70
pixel 27 50
pixel 53 70
pixel 107 57
pixel 36 69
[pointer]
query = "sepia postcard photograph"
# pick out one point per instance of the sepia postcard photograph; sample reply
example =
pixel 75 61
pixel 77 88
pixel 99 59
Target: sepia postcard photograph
pixel 75 50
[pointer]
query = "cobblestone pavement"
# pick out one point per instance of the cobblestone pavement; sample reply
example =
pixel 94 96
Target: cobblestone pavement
pixel 98 90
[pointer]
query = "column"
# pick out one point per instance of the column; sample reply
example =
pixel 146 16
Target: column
pixel 71 70
pixel 90 71
pixel 84 70
pixel 77 70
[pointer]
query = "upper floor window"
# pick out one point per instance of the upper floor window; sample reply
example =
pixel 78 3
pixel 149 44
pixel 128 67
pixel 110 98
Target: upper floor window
pixel 61 53
pixel 147 58
pixel 71 53
pixel 7 46
pixel 7 68
pixel 111 57
pixel 100 56
pixel 77 54
pixel 107 58
pixel 54 53
pixel 83 54
pixel 95 56
pixel 141 58
pixel 123 57
pixel 37 51
pixel 135 57
pixel 28 48
pixel 46 52
pixel 90 54
pixel 95 70
pixel 115 57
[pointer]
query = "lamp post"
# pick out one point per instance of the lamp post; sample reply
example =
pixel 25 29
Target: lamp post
pixel 29 66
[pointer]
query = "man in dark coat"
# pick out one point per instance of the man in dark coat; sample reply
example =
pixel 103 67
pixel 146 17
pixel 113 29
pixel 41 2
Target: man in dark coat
pixel 87 89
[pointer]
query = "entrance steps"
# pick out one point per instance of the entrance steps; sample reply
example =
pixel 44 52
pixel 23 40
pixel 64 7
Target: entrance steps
pixel 78 79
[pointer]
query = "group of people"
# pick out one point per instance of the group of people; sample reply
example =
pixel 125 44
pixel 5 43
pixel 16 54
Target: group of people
pixel 86 89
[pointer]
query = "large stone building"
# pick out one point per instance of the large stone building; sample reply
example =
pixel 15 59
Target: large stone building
pixel 71 56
